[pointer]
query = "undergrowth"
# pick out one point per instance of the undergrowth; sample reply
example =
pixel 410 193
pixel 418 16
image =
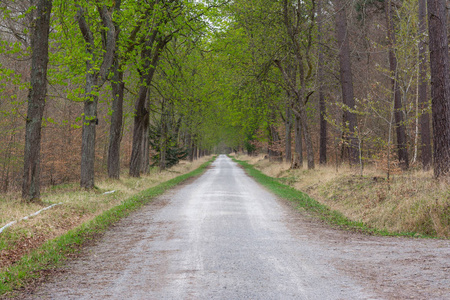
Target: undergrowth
pixel 313 207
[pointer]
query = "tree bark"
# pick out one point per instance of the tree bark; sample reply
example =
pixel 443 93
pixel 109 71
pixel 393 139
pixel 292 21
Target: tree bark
pixel 141 118
pixel 145 166
pixel 400 127
pixel 89 131
pixel 426 155
pixel 138 132
pixel 36 100
pixel 346 79
pixel 115 133
pixel 117 89
pixel 440 85
pixel 274 139
pixel 288 139
pixel 163 142
pixel 307 137
pixel 90 119
pixel 298 153
pixel 322 107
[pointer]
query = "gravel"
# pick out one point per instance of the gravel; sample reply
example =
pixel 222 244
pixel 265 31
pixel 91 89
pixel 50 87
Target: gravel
pixel 223 236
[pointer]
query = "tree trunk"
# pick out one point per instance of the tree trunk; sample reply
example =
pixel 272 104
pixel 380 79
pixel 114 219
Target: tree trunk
pixel 145 163
pixel 298 153
pixel 138 132
pixel 288 126
pixel 274 139
pixel 141 118
pixel 36 100
pixel 190 146
pixel 307 137
pixel 426 155
pixel 89 129
pixel 90 120
pixel 346 79
pixel 194 152
pixel 162 142
pixel 400 127
pixel 145 167
pixel 322 107
pixel 440 85
pixel 115 133
pixel 301 50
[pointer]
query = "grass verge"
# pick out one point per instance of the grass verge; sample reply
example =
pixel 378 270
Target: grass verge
pixel 55 251
pixel 313 207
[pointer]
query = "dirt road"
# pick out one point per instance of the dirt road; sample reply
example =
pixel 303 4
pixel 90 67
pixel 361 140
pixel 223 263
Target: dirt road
pixel 224 237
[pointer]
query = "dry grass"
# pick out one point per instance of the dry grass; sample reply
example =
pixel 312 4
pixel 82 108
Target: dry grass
pixel 411 202
pixel 78 206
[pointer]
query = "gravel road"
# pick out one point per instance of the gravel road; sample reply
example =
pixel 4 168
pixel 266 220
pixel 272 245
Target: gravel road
pixel 223 236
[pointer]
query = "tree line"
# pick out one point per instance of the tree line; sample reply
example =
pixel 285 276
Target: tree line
pixel 117 83
pixel 357 78
pixel 78 52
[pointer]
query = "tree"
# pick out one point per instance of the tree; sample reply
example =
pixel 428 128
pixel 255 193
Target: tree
pixel 288 139
pixel 36 99
pixel 398 113
pixel 426 155
pixel 297 19
pixel 97 68
pixel 124 46
pixel 440 85
pixel 346 80
pixel 150 55
pixel 320 79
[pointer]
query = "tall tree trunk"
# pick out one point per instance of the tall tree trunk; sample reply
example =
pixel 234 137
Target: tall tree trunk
pixel 145 162
pixel 115 133
pixel 288 140
pixel 141 118
pixel 307 137
pixel 117 88
pixel 145 167
pixel 346 80
pixel 400 127
pixel 426 155
pixel 322 107
pixel 90 120
pixel 299 108
pixel 36 100
pixel 190 146
pixel 162 142
pixel 274 139
pixel 301 50
pixel 298 153
pixel 138 132
pixel 440 85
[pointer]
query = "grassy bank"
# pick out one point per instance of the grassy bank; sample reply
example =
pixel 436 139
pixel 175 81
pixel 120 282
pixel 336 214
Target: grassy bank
pixel 408 206
pixel 52 252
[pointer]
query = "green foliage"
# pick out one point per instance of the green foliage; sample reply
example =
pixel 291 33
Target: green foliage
pixel 173 152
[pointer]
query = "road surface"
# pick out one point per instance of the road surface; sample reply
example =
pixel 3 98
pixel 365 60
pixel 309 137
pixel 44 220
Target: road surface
pixel 223 236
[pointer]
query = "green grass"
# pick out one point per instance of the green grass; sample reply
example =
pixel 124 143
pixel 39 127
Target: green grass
pixel 52 253
pixel 305 203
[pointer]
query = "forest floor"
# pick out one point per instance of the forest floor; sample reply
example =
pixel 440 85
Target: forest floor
pixel 412 202
pixel 223 236
pixel 75 206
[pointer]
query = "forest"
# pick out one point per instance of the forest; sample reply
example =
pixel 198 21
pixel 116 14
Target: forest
pixel 111 88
